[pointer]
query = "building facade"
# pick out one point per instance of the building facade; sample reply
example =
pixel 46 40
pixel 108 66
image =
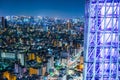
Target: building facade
pixel 102 39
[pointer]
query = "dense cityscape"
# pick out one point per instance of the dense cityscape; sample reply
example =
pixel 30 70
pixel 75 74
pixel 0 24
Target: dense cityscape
pixel 60 40
pixel 41 48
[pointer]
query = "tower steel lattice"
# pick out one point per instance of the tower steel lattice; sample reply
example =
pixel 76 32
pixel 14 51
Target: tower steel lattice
pixel 102 40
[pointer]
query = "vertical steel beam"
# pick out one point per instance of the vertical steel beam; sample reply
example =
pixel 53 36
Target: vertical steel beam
pixel 101 59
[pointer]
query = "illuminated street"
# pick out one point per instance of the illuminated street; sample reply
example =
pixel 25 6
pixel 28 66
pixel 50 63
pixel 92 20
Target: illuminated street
pixel 39 50
pixel 60 40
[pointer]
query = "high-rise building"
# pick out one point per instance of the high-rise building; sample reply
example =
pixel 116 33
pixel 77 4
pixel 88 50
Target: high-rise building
pixel 0 22
pixel 4 22
pixel 102 30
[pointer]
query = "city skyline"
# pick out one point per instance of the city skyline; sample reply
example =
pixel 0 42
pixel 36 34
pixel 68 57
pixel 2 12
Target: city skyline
pixel 52 8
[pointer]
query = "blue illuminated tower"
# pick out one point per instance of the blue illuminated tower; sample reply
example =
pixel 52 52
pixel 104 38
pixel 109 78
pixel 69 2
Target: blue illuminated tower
pixel 102 40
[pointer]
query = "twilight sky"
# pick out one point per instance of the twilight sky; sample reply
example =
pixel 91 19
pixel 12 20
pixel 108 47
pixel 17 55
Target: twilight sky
pixel 53 8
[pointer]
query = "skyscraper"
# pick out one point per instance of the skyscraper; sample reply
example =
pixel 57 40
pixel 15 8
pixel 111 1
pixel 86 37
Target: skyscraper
pixel 102 33
pixel 4 22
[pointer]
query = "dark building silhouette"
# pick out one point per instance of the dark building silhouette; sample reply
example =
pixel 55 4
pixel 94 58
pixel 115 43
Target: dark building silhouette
pixel 4 22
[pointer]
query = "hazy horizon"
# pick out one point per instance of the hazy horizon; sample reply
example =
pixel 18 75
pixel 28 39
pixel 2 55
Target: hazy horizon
pixel 51 8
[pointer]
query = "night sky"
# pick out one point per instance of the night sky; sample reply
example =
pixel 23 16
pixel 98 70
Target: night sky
pixel 52 8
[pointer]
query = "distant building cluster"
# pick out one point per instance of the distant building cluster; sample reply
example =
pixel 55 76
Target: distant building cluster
pixel 41 48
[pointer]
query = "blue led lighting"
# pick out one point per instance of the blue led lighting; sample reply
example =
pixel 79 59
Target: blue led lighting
pixel 102 40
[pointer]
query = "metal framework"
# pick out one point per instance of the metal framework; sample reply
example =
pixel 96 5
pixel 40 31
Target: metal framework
pixel 102 37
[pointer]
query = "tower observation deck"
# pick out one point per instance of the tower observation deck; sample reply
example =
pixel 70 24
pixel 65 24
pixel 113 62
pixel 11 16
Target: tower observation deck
pixel 102 40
